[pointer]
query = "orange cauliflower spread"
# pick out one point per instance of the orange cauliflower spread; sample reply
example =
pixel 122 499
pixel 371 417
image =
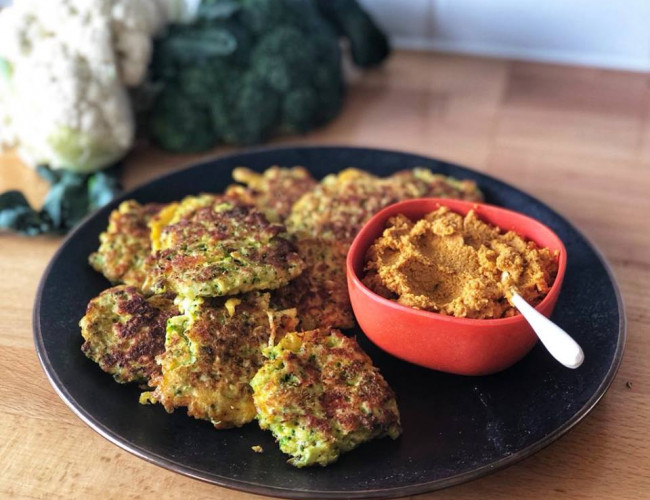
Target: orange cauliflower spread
pixel 457 265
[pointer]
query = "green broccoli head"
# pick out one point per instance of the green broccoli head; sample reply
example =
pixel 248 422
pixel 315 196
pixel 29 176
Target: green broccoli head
pixel 178 125
pixel 243 71
pixel 247 113
pixel 259 15
pixel 282 58
pixel 299 109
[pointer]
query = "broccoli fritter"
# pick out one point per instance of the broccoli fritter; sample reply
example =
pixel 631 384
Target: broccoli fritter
pixel 125 246
pixel 342 203
pixel 320 396
pixel 422 182
pixel 320 293
pixel 274 191
pixel 124 332
pixel 211 353
pixel 215 245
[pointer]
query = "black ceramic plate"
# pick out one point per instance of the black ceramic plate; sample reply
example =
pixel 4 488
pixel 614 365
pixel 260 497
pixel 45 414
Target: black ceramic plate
pixel 455 428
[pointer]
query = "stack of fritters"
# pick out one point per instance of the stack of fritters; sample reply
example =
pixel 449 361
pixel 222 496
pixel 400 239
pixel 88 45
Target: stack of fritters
pixel 212 253
pixel 219 286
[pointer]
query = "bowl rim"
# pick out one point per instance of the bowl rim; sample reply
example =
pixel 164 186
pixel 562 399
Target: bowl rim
pixel 355 249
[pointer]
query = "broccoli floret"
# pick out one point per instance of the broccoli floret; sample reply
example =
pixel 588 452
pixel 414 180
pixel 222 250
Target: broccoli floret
pixel 201 83
pixel 260 15
pixel 244 70
pixel 281 58
pixel 180 126
pixel 299 108
pixel 231 111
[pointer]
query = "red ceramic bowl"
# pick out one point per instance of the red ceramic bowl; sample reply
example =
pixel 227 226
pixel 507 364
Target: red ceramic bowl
pixel 446 343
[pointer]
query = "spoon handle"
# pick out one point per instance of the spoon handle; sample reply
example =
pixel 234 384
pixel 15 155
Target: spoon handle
pixel 558 342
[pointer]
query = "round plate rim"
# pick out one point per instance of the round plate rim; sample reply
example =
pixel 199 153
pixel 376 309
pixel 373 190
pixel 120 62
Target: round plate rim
pixel 261 489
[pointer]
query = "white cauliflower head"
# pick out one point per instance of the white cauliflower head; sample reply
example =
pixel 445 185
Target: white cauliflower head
pixel 65 65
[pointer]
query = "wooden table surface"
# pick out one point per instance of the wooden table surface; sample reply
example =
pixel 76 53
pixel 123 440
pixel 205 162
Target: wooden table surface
pixel 577 138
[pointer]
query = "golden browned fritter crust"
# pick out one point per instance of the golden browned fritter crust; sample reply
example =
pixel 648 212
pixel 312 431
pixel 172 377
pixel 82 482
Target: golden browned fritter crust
pixel 320 396
pixel 342 203
pixel 125 246
pixel 216 245
pixel 124 332
pixel 422 182
pixel 320 293
pixel 273 191
pixel 211 353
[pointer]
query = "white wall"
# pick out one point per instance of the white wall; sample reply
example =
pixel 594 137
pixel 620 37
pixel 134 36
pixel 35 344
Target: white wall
pixel 605 33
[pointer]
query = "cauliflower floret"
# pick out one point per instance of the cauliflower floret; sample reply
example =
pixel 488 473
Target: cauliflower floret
pixel 66 113
pixel 133 24
pixel 63 71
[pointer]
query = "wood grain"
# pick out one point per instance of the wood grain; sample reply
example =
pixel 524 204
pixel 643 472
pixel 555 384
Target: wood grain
pixel 577 138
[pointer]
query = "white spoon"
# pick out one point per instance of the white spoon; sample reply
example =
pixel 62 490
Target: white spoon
pixel 557 342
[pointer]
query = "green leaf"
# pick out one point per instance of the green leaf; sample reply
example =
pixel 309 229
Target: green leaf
pixel 103 187
pixel 50 175
pixel 70 198
pixel 218 10
pixel 201 45
pixel 17 215
pixel 12 199
pixel 67 202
